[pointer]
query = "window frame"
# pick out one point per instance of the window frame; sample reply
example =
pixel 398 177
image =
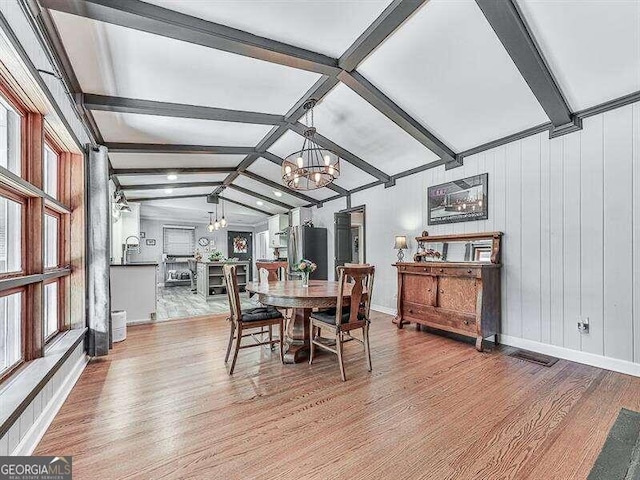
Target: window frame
pixel 11 194
pixel 67 206
pixel 60 324
pixel 21 109
pixel 60 238
pixel 9 371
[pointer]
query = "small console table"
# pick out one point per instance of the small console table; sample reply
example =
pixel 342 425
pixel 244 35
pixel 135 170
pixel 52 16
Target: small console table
pixel 453 285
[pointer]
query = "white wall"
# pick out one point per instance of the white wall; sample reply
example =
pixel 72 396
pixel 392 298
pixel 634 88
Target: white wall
pixel 570 211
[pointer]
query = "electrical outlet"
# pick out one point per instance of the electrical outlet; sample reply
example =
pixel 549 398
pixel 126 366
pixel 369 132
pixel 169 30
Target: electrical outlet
pixel 583 325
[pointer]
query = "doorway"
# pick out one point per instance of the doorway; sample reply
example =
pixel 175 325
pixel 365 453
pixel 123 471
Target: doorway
pixel 350 236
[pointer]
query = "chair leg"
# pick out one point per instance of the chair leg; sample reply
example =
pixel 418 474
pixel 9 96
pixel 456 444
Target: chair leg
pixel 282 340
pixel 271 337
pixel 231 332
pixel 339 350
pixel 367 350
pixel 311 345
pixel 237 349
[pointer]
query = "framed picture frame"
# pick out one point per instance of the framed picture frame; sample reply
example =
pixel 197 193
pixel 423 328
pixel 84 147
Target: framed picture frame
pixel 463 200
pixel 150 242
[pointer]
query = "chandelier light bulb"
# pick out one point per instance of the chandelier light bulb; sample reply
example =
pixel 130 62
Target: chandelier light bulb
pixel 317 177
pixel 327 159
pixel 331 170
pixel 287 169
pixel 300 162
pixel 216 225
pixel 223 222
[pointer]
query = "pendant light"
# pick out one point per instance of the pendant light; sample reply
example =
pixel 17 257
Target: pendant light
pixel 210 227
pixel 311 167
pixel 223 221
pixel 216 224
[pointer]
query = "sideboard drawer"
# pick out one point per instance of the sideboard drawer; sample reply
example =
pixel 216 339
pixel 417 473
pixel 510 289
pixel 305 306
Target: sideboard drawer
pixel 440 318
pixel 415 269
pixel 457 271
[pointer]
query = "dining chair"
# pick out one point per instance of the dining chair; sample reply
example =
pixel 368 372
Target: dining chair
pixel 275 270
pixel 248 319
pixel 343 319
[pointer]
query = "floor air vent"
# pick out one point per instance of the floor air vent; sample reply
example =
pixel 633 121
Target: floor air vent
pixel 540 359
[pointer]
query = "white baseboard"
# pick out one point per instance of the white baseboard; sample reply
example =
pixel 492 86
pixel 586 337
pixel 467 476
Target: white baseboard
pixel 140 321
pixel 381 309
pixel 33 436
pixel 600 361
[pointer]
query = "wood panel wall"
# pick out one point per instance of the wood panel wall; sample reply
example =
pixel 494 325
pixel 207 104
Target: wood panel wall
pixel 570 210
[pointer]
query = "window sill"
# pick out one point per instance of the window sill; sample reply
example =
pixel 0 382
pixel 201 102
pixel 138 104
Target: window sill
pixel 21 389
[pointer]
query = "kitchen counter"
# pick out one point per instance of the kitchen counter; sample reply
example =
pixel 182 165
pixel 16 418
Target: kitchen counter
pixel 133 289
pixel 136 264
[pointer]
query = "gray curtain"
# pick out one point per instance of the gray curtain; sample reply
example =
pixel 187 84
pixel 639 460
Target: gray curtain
pixel 98 252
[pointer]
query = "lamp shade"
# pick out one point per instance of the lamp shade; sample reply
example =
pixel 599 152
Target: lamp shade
pixel 401 242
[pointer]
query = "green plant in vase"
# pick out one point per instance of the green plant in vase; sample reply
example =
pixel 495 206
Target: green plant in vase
pixel 306 267
pixel 216 256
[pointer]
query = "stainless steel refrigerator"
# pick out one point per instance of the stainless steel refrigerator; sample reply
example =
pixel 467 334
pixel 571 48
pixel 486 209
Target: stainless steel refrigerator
pixel 309 243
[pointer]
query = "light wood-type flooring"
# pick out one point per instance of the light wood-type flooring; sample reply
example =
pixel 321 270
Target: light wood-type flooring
pixel 181 302
pixel 162 406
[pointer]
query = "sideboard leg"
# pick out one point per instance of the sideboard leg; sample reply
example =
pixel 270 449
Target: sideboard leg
pixel 398 321
pixel 495 340
pixel 479 344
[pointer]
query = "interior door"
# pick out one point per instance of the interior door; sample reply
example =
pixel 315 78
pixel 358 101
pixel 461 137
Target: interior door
pixel 240 246
pixel 343 239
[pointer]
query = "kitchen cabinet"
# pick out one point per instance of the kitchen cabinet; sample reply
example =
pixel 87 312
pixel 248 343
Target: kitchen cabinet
pixel 277 224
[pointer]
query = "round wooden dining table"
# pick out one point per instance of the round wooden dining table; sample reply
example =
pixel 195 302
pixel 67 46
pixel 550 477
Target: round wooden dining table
pixel 291 294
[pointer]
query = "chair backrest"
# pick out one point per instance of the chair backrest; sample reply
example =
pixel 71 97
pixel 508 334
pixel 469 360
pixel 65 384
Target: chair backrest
pixel 276 270
pixel 231 283
pixel 361 279
pixel 350 265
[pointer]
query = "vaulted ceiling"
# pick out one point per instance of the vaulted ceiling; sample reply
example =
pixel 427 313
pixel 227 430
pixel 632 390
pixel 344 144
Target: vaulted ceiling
pixel 213 90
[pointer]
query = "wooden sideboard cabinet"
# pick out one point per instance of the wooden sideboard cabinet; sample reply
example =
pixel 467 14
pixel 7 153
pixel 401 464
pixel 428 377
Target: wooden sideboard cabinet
pixel 457 292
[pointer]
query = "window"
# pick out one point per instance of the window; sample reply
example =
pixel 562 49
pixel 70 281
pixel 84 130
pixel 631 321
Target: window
pixel 51 309
pixel 179 241
pixel 10 330
pixel 51 166
pixel 51 244
pixel 10 125
pixel 10 235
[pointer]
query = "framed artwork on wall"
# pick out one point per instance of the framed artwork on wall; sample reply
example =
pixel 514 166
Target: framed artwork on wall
pixel 462 200
pixel 151 242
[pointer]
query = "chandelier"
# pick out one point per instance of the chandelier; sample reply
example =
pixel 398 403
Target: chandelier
pixel 312 166
pixel 218 224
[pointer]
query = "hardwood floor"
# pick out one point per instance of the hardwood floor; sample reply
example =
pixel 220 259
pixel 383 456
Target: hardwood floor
pixel 162 406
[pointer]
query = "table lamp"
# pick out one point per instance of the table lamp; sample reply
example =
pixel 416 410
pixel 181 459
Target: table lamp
pixel 400 245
